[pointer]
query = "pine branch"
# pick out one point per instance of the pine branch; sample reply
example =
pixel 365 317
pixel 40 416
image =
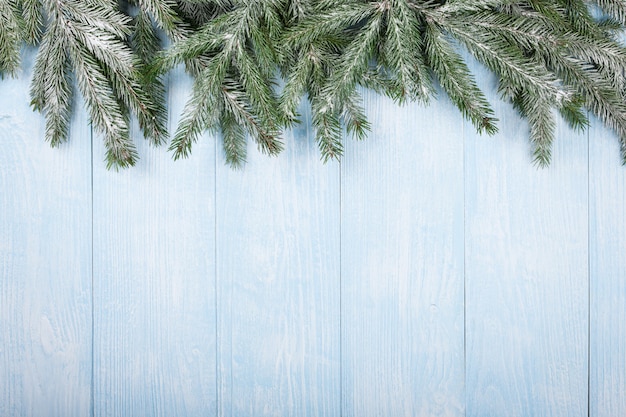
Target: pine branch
pixel 88 39
pixel 614 8
pixel 57 91
pixel 234 140
pixel 10 37
pixel 240 41
pixel 403 51
pixel 106 113
pixel 354 117
pixel 165 16
pixel 500 56
pixel 538 112
pixel 203 110
pixel 33 20
pixel 457 81
pixel 327 130
pixel 548 55
pixel 237 102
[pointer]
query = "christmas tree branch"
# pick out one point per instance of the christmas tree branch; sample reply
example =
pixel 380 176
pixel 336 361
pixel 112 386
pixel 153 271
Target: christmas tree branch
pixel 550 57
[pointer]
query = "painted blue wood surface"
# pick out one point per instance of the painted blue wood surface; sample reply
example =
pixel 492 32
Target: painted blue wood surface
pixel 45 260
pixel 607 247
pixel 432 272
pixel 279 283
pixel 402 264
pixel 526 273
pixel 154 281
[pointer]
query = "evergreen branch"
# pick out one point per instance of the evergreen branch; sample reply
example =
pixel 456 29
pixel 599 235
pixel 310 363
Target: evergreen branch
pixel 547 54
pixel 144 40
pixel 234 140
pixel 200 12
pixel 597 93
pixel 297 83
pixel 56 89
pixel 505 61
pixel 403 51
pixel 145 44
pixel 336 20
pixel 202 111
pixel 150 110
pixel 354 61
pixel 457 81
pixel 107 49
pixel 258 88
pixel 354 117
pixel 164 14
pixel 614 8
pixel 572 112
pixel 46 54
pixel 106 114
pixel 206 41
pixel 237 103
pixel 10 37
pixel 95 14
pixel 538 112
pixel 378 80
pixel 33 20
pixel 298 10
pixel 327 130
pixel 262 48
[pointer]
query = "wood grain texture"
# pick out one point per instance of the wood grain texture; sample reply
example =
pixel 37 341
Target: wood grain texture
pixel 154 281
pixel 526 273
pixel 45 260
pixel 278 282
pixel 402 263
pixel 607 247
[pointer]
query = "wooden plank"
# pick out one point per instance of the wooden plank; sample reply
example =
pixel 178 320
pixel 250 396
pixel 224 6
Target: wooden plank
pixel 607 248
pixel 45 260
pixel 154 280
pixel 402 263
pixel 526 273
pixel 278 283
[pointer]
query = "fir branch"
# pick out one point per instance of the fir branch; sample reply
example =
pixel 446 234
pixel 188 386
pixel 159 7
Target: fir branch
pixel 403 51
pixel 203 110
pixel 237 102
pixel 33 20
pixel 164 14
pixel 327 130
pixel 548 55
pixel 335 20
pixel 88 39
pixel 457 81
pixel 240 43
pixel 106 113
pixel 354 116
pixel 10 37
pixel 504 59
pixel 234 140
pixel 297 84
pixel 57 88
pixel 538 112
pixel 614 8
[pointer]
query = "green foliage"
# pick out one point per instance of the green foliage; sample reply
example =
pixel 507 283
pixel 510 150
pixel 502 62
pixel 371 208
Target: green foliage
pixel 551 58
pixel 87 41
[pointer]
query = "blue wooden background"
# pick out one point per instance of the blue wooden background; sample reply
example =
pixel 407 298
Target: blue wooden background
pixel 433 272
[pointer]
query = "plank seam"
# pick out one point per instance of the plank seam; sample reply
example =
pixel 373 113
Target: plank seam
pixel 340 296
pixel 588 275
pixel 217 373
pixel 464 270
pixel 92 388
